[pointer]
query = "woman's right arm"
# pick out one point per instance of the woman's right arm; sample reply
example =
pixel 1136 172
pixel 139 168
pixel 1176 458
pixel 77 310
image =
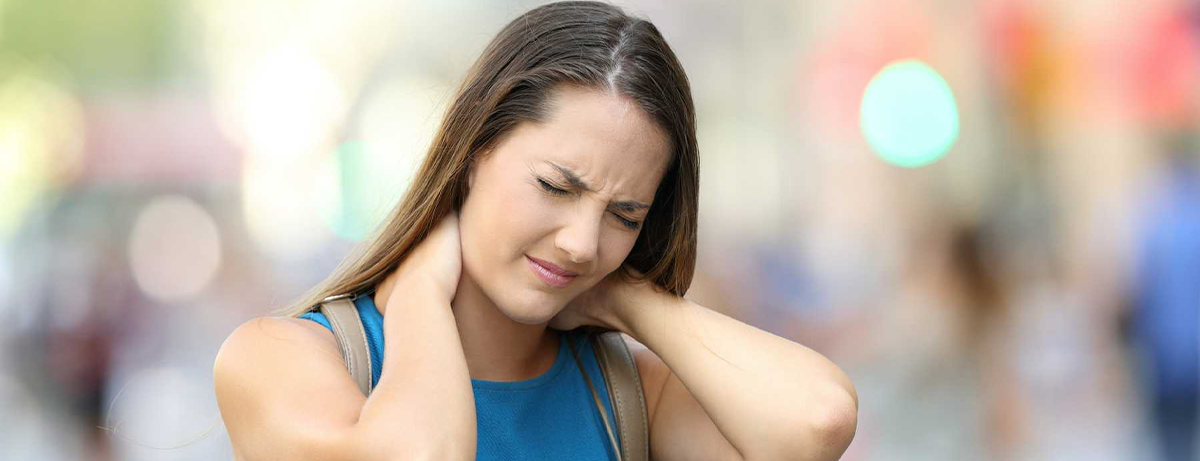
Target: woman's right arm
pixel 285 394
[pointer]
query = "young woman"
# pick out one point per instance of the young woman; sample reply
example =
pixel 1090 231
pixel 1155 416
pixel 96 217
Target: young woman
pixel 560 192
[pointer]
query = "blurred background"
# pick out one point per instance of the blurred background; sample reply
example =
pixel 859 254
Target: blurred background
pixel 987 212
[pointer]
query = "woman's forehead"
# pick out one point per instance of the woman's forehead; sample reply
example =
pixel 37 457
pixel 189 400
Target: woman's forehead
pixel 590 130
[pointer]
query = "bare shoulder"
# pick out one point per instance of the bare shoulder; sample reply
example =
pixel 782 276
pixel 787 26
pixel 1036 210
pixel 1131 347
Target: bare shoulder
pixel 263 336
pixel 280 382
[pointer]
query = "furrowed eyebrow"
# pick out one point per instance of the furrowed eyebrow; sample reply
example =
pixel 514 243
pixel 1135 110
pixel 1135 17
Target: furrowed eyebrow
pixel 630 206
pixel 574 181
pixel 570 176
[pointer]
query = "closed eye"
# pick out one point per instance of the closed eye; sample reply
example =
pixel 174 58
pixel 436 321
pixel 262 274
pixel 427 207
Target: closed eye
pixel 550 188
pixel 632 225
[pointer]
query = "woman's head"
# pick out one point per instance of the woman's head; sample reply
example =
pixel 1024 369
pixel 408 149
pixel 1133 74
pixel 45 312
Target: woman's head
pixel 567 89
pixel 570 192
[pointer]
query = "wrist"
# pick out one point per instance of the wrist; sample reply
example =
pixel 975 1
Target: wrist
pixel 426 287
pixel 408 292
pixel 640 305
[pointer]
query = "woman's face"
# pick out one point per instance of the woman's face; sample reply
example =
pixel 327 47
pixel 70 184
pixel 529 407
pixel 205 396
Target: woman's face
pixel 571 192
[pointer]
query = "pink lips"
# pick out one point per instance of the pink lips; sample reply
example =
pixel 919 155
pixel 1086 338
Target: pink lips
pixel 553 275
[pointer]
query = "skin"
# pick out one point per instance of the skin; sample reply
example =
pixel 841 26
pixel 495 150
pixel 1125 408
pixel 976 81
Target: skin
pixel 468 306
pixel 501 307
pixel 716 388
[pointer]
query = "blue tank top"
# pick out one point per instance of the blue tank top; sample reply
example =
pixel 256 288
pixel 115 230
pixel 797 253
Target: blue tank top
pixel 552 416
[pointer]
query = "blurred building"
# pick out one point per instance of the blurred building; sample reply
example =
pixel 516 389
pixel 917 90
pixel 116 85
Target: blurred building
pixel 946 198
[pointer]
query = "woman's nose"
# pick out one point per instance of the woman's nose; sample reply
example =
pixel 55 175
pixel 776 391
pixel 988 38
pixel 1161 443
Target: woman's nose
pixel 579 238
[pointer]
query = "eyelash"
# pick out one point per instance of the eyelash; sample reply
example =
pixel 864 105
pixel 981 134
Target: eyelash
pixel 551 189
pixel 631 225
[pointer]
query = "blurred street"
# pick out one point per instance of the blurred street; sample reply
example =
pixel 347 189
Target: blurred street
pixel 987 212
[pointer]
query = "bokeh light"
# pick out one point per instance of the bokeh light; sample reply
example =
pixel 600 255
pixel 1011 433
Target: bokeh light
pixel 355 208
pixel 284 204
pixel 289 105
pixel 158 409
pixel 6 279
pixel 396 126
pixel 41 134
pixel 174 248
pixel 292 127
pixel 909 116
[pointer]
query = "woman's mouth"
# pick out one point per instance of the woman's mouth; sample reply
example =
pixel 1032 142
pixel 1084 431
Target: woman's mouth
pixel 553 275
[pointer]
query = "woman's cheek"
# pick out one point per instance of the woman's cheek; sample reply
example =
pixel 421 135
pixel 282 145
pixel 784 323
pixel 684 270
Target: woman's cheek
pixel 520 221
pixel 616 248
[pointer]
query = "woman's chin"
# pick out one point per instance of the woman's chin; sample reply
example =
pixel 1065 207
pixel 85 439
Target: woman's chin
pixel 531 313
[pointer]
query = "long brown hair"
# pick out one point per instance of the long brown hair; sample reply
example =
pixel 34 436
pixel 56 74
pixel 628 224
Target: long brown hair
pixel 589 44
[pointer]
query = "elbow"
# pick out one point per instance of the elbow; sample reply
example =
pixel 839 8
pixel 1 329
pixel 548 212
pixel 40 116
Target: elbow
pixel 834 427
pixel 822 433
pixel 831 426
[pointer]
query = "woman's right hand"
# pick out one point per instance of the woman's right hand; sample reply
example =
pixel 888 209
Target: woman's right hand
pixel 264 389
pixel 435 263
pixel 424 387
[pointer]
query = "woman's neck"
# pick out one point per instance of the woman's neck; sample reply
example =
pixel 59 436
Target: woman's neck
pixel 496 347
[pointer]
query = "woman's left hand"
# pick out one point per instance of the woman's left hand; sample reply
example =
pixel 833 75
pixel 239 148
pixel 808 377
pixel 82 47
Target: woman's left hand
pixel 602 305
pixel 749 391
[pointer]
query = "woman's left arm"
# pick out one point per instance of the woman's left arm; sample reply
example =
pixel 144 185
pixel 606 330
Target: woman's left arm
pixel 770 398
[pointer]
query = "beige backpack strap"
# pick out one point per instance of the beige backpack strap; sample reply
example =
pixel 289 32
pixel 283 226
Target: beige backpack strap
pixel 625 393
pixel 608 429
pixel 351 338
